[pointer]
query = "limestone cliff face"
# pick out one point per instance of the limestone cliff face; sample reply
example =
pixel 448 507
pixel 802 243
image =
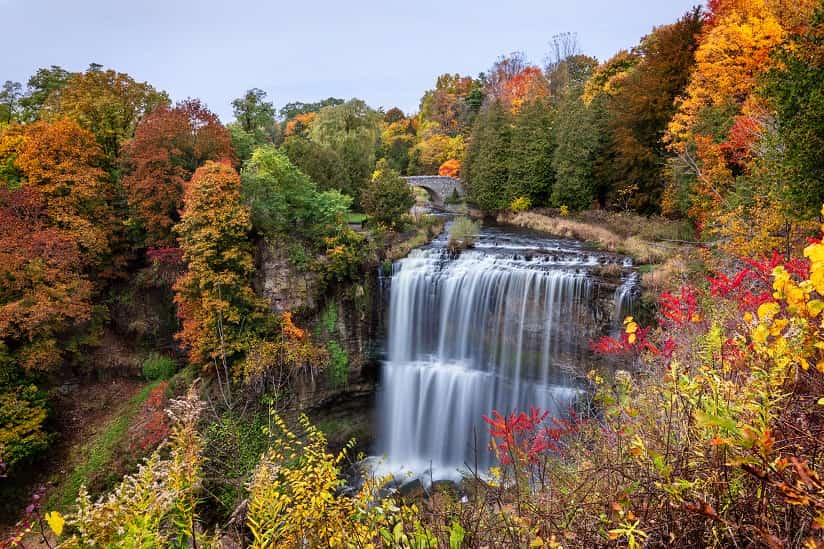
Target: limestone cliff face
pixel 279 282
pixel 346 318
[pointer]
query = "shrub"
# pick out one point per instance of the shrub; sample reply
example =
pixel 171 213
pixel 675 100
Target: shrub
pixel 520 204
pixel 158 367
pixel 463 232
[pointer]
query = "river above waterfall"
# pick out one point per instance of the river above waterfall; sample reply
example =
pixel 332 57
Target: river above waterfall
pixel 504 326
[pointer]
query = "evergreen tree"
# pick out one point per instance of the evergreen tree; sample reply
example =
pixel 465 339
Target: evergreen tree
pixel 533 143
pixel 486 165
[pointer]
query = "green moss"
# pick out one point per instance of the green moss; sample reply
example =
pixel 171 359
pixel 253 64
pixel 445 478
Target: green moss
pixel 329 317
pixel 338 371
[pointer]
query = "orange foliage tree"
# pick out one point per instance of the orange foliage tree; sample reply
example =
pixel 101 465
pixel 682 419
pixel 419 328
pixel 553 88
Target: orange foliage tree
pixel 62 162
pixel 525 86
pixel 44 296
pixel 722 132
pixel 215 298
pixel 450 168
pixel 168 146
pixel 108 103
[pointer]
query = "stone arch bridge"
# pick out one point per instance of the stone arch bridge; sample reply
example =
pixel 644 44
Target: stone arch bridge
pixel 439 187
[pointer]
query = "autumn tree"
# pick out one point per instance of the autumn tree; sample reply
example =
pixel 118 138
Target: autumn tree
pixel 452 105
pixel 110 104
pixel 450 168
pixel 168 146
pixel 215 300
pixel 640 90
pixel 387 197
pixel 62 162
pixel 398 135
pixel 45 310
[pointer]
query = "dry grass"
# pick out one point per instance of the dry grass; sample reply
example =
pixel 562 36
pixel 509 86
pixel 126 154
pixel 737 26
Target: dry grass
pixel 652 241
pixel 600 227
pixel 673 272
pixel 564 227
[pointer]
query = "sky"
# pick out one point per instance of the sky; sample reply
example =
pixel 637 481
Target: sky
pixel 387 53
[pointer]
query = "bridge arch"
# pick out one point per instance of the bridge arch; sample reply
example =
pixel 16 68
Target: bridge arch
pixel 439 187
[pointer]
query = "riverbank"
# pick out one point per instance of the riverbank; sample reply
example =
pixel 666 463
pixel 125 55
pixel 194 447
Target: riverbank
pixel 663 249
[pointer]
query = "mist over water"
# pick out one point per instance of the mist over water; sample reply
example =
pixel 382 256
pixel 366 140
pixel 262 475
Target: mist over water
pixel 498 327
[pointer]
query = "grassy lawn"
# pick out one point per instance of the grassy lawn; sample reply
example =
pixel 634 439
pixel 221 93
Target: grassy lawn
pixel 353 217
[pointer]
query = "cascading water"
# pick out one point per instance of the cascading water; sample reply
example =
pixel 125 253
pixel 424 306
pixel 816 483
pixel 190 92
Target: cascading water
pixel 489 330
pixel 625 297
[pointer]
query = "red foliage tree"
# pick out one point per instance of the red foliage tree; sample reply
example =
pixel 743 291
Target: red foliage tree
pixel 44 293
pixel 168 146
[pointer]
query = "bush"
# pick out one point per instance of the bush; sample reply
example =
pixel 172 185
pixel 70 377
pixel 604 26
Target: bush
pixel 462 233
pixel 158 367
pixel 520 204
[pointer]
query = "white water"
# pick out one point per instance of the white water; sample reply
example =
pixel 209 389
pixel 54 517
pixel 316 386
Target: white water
pixel 489 330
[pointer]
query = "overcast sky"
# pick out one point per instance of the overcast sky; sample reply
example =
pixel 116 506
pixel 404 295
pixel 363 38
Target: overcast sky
pixel 386 52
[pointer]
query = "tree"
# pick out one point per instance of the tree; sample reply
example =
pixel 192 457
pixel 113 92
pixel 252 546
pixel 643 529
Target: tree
pixel 42 84
pixel 45 309
pixel 168 146
pixel 433 150
pixel 486 164
pixel 322 164
pixel 10 96
pixel 387 197
pixel 796 90
pixel 580 140
pixel 450 168
pixel 215 300
pixel 255 122
pixel 109 104
pixel 61 161
pixel 449 106
pixel 45 296
pixel 531 174
pixel 351 130
pixel 284 201
pixel 640 102
pixel 291 110
pixel 255 114
pixel 398 135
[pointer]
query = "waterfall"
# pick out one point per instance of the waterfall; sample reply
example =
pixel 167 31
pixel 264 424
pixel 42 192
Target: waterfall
pixel 624 301
pixel 489 330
